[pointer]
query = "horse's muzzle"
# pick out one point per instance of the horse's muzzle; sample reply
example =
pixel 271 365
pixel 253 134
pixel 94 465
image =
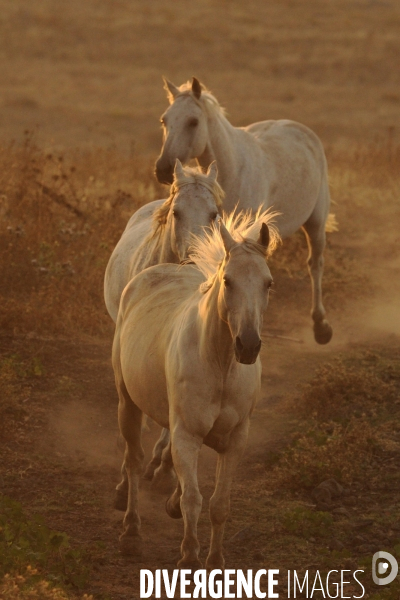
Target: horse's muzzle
pixel 164 174
pixel 247 349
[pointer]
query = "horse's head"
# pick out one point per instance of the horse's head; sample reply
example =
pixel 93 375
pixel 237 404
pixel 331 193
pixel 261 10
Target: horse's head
pixel 195 204
pixel 245 280
pixel 185 128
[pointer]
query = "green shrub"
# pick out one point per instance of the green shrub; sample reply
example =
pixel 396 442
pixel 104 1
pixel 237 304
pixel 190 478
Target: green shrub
pixel 28 541
pixel 304 522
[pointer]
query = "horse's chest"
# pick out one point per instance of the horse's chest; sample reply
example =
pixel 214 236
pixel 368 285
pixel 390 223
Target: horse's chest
pixel 219 436
pixel 227 420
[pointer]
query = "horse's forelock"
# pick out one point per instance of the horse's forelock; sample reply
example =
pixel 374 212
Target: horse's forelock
pixel 208 251
pixel 207 100
pixel 191 175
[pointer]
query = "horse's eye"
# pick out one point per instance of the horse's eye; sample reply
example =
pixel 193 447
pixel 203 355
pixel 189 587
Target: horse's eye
pixel 213 216
pixel 176 214
pixel 268 284
pixel 162 121
pixel 227 282
pixel 193 122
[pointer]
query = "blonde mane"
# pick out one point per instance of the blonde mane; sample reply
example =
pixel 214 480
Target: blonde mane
pixel 209 252
pixel 191 175
pixel 207 100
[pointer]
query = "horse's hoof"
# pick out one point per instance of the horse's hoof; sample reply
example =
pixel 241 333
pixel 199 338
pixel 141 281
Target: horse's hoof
pixel 322 332
pixel 120 501
pixel 131 546
pixel 173 509
pixel 163 482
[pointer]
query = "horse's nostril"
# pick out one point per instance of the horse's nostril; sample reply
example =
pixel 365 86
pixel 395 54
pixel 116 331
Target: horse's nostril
pixel 239 344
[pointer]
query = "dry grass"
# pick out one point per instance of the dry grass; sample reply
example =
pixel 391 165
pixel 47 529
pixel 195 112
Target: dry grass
pixel 352 387
pixel 27 587
pixel 348 412
pixel 88 73
pixel 62 215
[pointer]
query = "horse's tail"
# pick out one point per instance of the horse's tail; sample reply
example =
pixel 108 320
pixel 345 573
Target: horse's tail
pixel 331 223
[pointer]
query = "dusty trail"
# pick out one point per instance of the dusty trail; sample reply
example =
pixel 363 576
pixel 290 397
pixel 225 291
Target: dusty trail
pixel 65 463
pixel 74 466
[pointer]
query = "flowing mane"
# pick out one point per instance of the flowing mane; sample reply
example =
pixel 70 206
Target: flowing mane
pixel 191 175
pixel 208 252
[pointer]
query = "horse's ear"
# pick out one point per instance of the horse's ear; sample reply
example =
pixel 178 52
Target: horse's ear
pixel 178 170
pixel 196 87
pixel 212 171
pixel 227 239
pixel 171 89
pixel 263 238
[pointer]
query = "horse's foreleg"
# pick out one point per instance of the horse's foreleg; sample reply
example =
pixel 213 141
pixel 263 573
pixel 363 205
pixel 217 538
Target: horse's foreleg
pixel 156 457
pixel 315 234
pixel 130 423
pixel 185 453
pixel 220 500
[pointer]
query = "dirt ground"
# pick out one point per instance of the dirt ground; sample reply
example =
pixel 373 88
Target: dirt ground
pixel 64 460
pixel 89 76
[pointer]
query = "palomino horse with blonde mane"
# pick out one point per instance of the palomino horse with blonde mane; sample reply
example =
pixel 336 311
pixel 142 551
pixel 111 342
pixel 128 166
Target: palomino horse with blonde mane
pixel 186 353
pixel 280 164
pixel 161 231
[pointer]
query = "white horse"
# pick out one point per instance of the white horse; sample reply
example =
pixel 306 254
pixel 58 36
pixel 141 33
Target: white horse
pixel 186 353
pixel 161 231
pixel 276 163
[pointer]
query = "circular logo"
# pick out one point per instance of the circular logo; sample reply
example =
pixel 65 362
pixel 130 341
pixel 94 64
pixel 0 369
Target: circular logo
pixel 384 559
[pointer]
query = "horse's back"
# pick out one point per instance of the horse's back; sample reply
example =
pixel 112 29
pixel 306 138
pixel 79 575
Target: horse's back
pixel 119 268
pixel 288 170
pixel 285 132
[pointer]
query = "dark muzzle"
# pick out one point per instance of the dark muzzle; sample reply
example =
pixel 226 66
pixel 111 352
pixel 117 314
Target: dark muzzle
pixel 247 348
pixel 164 173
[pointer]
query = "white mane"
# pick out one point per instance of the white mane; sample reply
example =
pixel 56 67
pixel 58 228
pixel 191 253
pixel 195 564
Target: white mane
pixel 208 251
pixel 207 99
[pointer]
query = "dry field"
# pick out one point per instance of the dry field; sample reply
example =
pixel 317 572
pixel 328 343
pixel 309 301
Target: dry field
pixel 86 85
pixel 91 72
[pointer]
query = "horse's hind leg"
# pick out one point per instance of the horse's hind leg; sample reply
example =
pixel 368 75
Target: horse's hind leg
pixel 130 423
pixel 315 234
pixel 155 462
pixel 173 504
pixel 121 491
pixel 220 500
pixel 164 479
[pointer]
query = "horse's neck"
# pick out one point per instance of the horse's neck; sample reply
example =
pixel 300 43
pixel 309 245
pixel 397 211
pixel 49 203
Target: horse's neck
pixel 157 250
pixel 224 147
pixel 215 337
